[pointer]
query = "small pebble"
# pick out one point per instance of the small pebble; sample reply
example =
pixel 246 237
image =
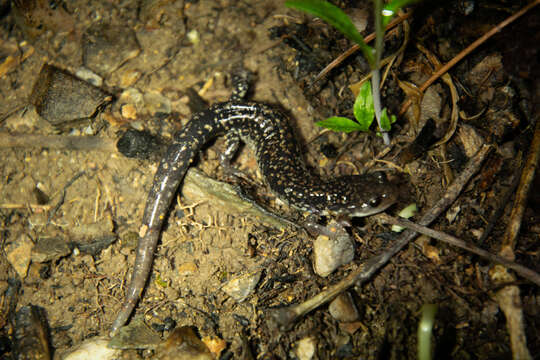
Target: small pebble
pixel 241 287
pixel 330 252
pixel 306 348
pixel 129 77
pixel 215 345
pixel 343 308
pixel 187 268
pixel 157 104
pixel 194 37
pixel 132 96
pixel 89 76
pixel 129 111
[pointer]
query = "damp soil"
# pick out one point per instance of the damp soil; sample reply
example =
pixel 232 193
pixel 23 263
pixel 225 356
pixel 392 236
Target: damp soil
pixel 197 45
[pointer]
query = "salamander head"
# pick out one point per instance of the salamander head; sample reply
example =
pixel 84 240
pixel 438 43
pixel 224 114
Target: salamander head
pixel 362 195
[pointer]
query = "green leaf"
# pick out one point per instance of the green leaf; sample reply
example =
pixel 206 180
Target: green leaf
pixel 335 17
pixel 425 331
pixel 160 282
pixel 363 109
pixel 405 213
pixel 386 121
pixel 338 123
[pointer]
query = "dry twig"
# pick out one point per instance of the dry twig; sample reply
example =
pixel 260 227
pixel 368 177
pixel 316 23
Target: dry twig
pixel 452 240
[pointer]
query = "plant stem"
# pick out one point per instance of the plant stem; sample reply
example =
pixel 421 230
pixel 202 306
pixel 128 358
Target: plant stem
pixel 375 69
pixel 425 330
pixel 375 90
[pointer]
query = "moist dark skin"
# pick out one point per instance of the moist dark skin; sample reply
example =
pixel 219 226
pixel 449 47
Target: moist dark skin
pixel 269 134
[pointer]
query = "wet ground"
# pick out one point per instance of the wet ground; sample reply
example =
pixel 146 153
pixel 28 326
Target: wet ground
pixel 92 200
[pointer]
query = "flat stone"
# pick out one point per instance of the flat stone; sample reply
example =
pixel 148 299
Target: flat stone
pixel 135 335
pixel 60 97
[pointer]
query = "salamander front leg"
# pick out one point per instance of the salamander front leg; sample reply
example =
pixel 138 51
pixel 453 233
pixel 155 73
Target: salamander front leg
pixel 232 143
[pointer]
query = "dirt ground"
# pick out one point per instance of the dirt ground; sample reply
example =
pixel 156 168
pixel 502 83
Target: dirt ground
pixel 96 196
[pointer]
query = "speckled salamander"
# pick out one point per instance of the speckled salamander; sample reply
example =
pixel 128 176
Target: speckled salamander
pixel 269 134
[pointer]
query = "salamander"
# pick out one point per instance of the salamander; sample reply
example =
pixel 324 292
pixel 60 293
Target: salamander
pixel 268 132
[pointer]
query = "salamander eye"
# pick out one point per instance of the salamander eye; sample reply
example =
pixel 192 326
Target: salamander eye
pixel 374 202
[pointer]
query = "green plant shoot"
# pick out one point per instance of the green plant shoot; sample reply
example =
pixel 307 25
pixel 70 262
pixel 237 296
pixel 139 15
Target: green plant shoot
pixel 364 114
pixel 338 19
pixel 363 109
pixel 386 122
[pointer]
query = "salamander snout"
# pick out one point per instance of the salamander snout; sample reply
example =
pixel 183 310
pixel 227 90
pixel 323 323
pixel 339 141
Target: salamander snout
pixel 365 195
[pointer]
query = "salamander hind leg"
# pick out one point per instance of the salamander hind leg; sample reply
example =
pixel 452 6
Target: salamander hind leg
pixel 232 141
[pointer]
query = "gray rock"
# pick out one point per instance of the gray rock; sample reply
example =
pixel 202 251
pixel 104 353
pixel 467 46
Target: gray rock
pixel 331 250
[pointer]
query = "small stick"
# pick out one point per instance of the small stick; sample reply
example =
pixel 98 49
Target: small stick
pixel 452 240
pixel 38 207
pixel 522 192
pixel 57 142
pixel 284 318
